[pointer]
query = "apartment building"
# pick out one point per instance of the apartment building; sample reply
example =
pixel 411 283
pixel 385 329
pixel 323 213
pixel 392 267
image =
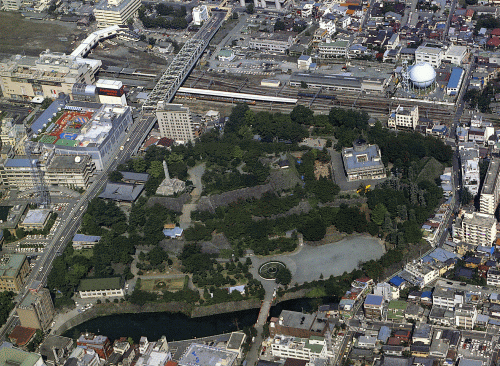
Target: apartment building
pixel 36 310
pixel 490 193
pixel 493 277
pixel 405 118
pixel 476 228
pixel 448 298
pixel 373 306
pixel 425 273
pixel 455 54
pixel 99 343
pixel 52 73
pixel 430 54
pixel 175 122
pixel 469 161
pixel 115 12
pixel 14 269
pixel 465 316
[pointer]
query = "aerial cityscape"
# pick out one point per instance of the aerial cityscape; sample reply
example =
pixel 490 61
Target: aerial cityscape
pixel 249 182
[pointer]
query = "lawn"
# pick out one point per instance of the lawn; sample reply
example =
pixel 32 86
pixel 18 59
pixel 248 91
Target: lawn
pixel 170 284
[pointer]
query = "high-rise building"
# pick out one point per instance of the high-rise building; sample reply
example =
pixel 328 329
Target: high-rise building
pixel 490 193
pixel 476 228
pixel 14 269
pixel 115 12
pixel 175 122
pixel 36 310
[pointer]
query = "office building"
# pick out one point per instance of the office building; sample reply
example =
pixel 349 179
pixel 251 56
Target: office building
pixel 455 54
pixel 363 161
pixel 36 310
pixel 278 42
pixel 306 349
pixel 405 118
pixel 335 49
pixel 200 14
pixel 175 122
pixel 73 171
pixel 35 219
pixel 490 193
pixel 101 287
pixel 429 53
pixel 55 350
pixel 14 269
pixel 476 228
pixel 115 12
pixel 52 73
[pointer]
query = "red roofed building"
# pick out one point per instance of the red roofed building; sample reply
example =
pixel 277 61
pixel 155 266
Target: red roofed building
pixel 469 14
pixel 495 32
pixel 493 42
pixel 21 336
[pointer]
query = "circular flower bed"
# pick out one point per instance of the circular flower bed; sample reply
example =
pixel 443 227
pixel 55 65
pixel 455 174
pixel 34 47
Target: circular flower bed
pixel 269 270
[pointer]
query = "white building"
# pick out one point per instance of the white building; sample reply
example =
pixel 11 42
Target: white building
pixel 476 228
pixel 115 12
pixel 200 14
pixel 455 54
pixel 328 25
pixel 111 92
pixel 175 122
pixel 424 272
pixel 101 287
pixel 490 193
pixel 304 62
pixel 446 297
pixel 403 118
pixel 300 348
pixel 431 54
pixel 493 277
pixel 11 5
pixel 387 291
pixel 469 160
pixel 465 316
pixel 335 49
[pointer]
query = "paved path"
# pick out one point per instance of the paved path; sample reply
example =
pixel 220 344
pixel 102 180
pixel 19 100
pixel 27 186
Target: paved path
pixel 195 175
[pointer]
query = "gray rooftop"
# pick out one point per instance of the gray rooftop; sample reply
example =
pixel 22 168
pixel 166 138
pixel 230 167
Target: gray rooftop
pixel 297 320
pixel 366 159
pixel 491 176
pixel 122 191
pixel 202 355
pixel 65 162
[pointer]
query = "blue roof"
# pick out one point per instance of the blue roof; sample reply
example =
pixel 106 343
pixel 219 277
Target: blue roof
pixel 442 255
pixel 172 233
pixel 456 75
pixel 427 259
pixel 396 281
pixel 374 300
pixel 485 249
pixel 304 58
pixel 48 114
pixel 426 294
pixel 384 333
pixel 17 163
pixel 86 238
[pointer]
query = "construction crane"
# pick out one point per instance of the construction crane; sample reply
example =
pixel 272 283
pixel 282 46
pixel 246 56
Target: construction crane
pixel 41 190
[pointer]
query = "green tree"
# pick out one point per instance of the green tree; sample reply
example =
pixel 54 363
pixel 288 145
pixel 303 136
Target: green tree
pixel 303 115
pixel 115 176
pixel 250 8
pixel 156 169
pixel 284 276
pixel 378 214
pixel 139 165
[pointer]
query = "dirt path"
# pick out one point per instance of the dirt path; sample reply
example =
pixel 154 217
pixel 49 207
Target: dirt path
pixel 195 175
